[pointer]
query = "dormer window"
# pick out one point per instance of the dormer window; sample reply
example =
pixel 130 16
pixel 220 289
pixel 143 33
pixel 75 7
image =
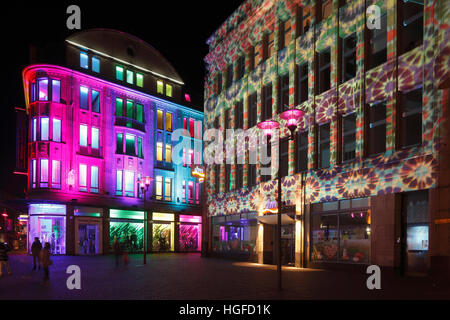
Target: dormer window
pixel 95 64
pixel 130 77
pixel 119 73
pixel 84 60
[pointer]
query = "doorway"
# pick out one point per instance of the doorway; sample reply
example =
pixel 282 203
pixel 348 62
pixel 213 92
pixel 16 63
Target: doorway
pixel 88 239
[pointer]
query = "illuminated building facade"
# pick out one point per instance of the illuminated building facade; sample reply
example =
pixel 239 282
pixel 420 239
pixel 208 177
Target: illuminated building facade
pixel 364 181
pixel 97 127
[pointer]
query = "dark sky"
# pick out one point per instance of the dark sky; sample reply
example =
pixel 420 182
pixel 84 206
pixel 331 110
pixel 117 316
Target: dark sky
pixel 178 29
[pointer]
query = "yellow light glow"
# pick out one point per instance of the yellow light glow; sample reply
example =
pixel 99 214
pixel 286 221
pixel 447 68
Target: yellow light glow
pixel 163 216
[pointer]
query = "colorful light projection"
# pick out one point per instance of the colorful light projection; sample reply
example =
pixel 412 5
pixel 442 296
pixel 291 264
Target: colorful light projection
pixel 129 234
pixel 163 232
pixel 190 233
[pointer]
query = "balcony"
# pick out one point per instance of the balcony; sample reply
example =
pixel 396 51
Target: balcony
pixel 129 123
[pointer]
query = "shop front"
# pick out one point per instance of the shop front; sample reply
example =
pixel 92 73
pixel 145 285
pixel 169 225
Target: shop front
pixel 190 233
pixel 128 228
pixel 234 236
pixel 88 230
pixel 163 232
pixel 47 222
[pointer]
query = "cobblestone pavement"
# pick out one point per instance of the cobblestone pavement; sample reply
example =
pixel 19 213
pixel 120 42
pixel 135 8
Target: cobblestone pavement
pixel 188 276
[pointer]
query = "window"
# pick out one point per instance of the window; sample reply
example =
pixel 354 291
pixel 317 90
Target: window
pixel 44 129
pixel 33 91
pixel 159 151
pixel 159 187
pixel 84 60
pixel 411 25
pixel 119 107
pixel 139 112
pixel 239 115
pixel 324 9
pixel 94 179
pixel 44 173
pixel 227 177
pixel 253 110
pixel 349 137
pixel 284 158
pixel 169 90
pixel 130 77
pixel 119 73
pixel 119 143
pixel 348 56
pixel 140 154
pixel 168 121
pixel 284 93
pixel 33 173
pixel 324 146
pixel 230 75
pixel 377 129
pixel 285 34
pixel 168 189
pixel 267 102
pixel 139 79
pixel 197 193
pixel 191 192
pixel 56 91
pixel 378 44
pixel 95 101
pixel 159 119
pixel 84 98
pixel 130 109
pixel 94 138
pixel 199 130
pixel 82 178
pixel 129 183
pixel 159 87
pixel 411 118
pixel 302 151
pixel 303 19
pixel 266 177
pixel 34 130
pixel 302 83
pixel 43 89
pixel 168 153
pixel 95 64
pixel 323 70
pixel 256 55
pixel 83 135
pixel 268 46
pixel 119 182
pixel 56 174
pixel 240 67
pixel 56 133
pixel 251 170
pixel 239 175
pixel 217 178
pixel 130 148
pixel 183 192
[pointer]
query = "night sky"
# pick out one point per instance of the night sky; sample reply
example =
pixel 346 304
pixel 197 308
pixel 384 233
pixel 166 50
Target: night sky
pixel 177 29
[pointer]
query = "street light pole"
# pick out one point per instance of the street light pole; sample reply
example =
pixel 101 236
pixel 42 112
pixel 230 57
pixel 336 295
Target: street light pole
pixel 144 188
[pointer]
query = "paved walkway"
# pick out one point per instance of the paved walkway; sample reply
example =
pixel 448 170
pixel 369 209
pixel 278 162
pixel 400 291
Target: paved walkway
pixel 188 276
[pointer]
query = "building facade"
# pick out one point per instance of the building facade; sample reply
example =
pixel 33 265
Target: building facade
pixel 98 126
pixel 365 180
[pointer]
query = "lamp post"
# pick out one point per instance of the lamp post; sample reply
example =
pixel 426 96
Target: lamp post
pixel 144 184
pixel 291 116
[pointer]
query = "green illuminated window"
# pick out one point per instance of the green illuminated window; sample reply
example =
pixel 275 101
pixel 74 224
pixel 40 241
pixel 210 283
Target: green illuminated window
pixel 130 145
pixel 130 77
pixel 139 112
pixel 140 147
pixel 119 107
pixel 129 109
pixel 139 80
pixel 119 143
pixel 168 90
pixel 160 87
pixel 119 183
pixel 119 73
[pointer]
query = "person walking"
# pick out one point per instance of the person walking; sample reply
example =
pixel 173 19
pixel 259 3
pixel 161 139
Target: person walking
pixel 46 262
pixel 116 249
pixel 36 248
pixel 4 248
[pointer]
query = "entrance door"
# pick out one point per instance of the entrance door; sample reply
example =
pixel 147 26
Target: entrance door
pixel 415 232
pixel 88 239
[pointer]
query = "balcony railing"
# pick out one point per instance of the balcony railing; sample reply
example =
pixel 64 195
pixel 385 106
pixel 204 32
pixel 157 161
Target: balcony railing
pixel 129 123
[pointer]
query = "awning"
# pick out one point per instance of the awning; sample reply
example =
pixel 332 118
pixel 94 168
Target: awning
pixel 273 219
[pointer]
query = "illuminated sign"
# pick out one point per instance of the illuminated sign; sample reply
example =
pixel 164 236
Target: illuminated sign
pixel 198 172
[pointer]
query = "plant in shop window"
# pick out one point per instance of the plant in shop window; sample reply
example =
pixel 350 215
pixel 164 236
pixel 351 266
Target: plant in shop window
pixel 161 236
pixel 188 238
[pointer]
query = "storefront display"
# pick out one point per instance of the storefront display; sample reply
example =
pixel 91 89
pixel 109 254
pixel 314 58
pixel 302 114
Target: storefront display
pixel 163 232
pixel 190 233
pixel 128 228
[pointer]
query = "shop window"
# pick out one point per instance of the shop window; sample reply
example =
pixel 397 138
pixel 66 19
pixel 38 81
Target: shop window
pixel 377 129
pixel 237 238
pixel 94 179
pixel 324 237
pixel 129 234
pixel 43 89
pixel 159 119
pixel 284 93
pixel 323 71
pixel 163 236
pixel 168 121
pixel 267 102
pixel 129 183
pixel 44 129
pixel 49 228
pixel 83 135
pixel 95 64
pixel 230 75
pixel 159 187
pixel 411 118
pixel 253 110
pixel 190 234
pixel 349 137
pixel 169 90
pixel 302 83
pixel 84 60
pixel 119 143
pixel 119 73
pixel 240 67
pixel 324 146
pixel 227 177
pixel 95 103
pixel 168 189
pixel 302 151
pixel 119 107
pixel 285 34
pixel 139 79
pixel 56 91
pixel 56 174
pixel 284 158
pixel 410 19
pixel 130 148
pixel 378 44
pixel 348 56
pixel 239 115
pixel 82 178
pixel 217 178
pixel 94 138
pixel 160 87
pixel 84 98
pixel 33 173
pixel 119 182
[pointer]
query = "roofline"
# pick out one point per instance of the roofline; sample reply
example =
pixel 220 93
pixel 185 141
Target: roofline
pixel 146 95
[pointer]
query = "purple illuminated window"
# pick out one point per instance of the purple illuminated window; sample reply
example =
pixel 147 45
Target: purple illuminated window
pixel 94 179
pixel 119 182
pixel 191 192
pixel 43 89
pixel 44 173
pixel 83 178
pixel 56 174
pixel 56 131
pixel 56 91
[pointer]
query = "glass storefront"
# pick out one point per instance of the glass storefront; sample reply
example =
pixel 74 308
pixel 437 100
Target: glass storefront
pixel 190 233
pixel 88 230
pixel 128 228
pixel 163 232
pixel 48 223
pixel 341 231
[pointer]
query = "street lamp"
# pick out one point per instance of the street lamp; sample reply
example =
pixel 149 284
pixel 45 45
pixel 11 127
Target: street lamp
pixel 292 117
pixel 144 184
